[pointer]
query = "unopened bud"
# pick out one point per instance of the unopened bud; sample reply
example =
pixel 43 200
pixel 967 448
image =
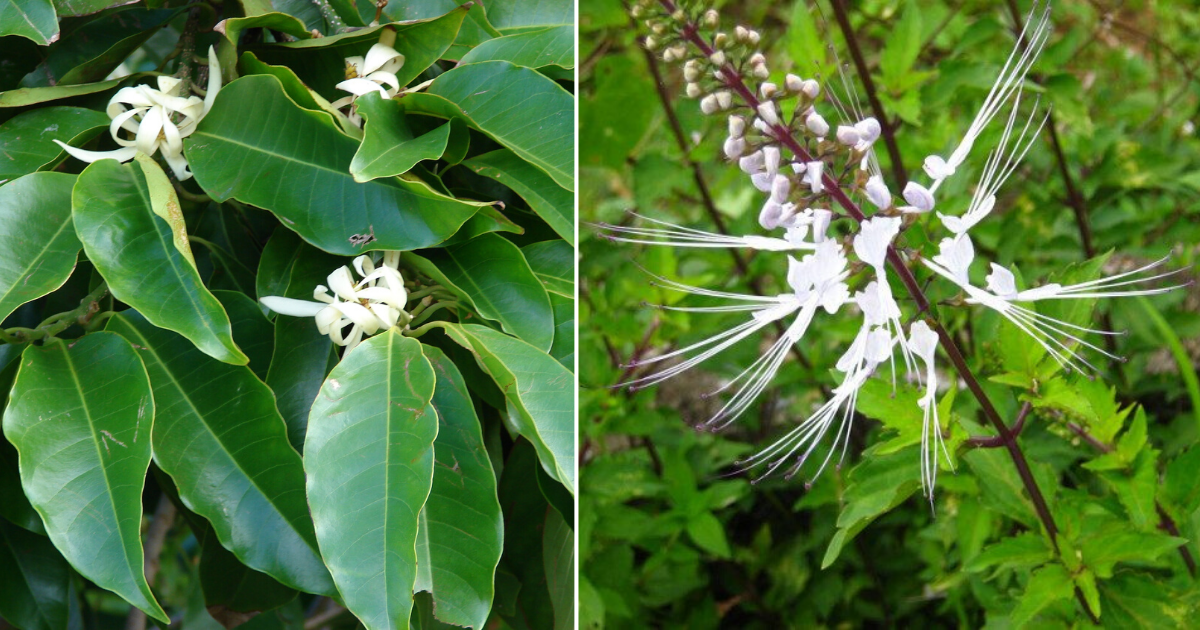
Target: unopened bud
pixel 792 83
pixel 780 188
pixel 812 175
pixel 820 224
pixel 817 125
pixel 708 104
pixel 711 18
pixel 734 147
pixel 691 70
pixel 717 58
pixel 848 135
pixel 878 193
pixel 768 90
pixel 811 88
pixel 761 71
pixel 918 197
pixel 679 15
pixel 669 55
pixel 740 33
pixel 757 59
pixel 752 38
pixel 868 129
pixel 752 163
pixel 771 157
pixel 768 114
pixel 737 126
pixel 720 40
pixel 725 99
pixel 651 43
pixel 656 27
pixel 693 90
pixel 636 11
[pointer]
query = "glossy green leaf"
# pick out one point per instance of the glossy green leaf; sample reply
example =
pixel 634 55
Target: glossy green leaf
pixel 252 330
pixel 564 330
pixel 219 436
pixel 298 91
pixel 89 50
pixel 525 511
pixel 80 416
pixel 38 245
pixel 232 590
pixel 540 394
pixel 292 268
pixel 23 97
pixel 529 13
pixel 487 93
pixel 14 505
pixel 554 46
pixel 553 262
pixel 488 219
pixel 475 27
pixel 32 19
pixel 232 28
pixel 492 275
pixel 369 456
pixel 321 64
pixel 551 202
pixel 35 580
pixel 118 211
pixel 462 531
pixel 389 146
pixel 255 138
pixel 66 8
pixel 558 554
pixel 26 140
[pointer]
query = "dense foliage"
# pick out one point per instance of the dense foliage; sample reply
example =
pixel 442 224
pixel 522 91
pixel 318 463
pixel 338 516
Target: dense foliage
pixel 668 538
pixel 287 308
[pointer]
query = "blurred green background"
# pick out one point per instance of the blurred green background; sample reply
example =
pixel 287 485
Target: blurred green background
pixel 667 541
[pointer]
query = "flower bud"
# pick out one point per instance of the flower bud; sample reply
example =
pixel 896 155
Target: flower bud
pixel 711 18
pixel 737 126
pixel 752 163
pixel 918 197
pixel 816 124
pixel 770 215
pixel 868 130
pixel 651 43
pixel 768 113
pixel 708 104
pixel 761 72
pixel 691 70
pixel 780 188
pixel 656 27
pixel 635 11
pixel 761 126
pixel 771 157
pixel 740 33
pixel 752 38
pixel 937 168
pixel 811 88
pixel 878 193
pixel 812 175
pixel 669 55
pixel 792 83
pixel 720 40
pixel 820 224
pixel 757 59
pixel 768 90
pixel 848 135
pixel 725 99
pixel 734 147
pixel 679 16
pixel 693 90
pixel 717 58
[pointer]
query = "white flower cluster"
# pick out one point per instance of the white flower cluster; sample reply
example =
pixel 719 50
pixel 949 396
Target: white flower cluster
pixel 374 303
pixel 777 153
pixel 157 120
pixel 376 72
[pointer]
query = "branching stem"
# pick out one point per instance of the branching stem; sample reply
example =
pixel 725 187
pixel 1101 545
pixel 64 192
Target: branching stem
pixel 55 324
pixel 734 81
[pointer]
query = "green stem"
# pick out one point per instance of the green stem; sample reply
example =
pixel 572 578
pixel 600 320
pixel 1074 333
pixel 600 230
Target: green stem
pixel 55 324
pixel 422 314
pixel 417 332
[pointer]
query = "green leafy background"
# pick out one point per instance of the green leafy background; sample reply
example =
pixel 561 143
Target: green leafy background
pixel 668 540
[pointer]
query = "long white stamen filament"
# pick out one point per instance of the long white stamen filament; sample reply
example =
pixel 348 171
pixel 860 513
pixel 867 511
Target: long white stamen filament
pixel 680 236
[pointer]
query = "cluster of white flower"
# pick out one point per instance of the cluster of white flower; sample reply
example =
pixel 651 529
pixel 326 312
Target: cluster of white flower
pixel 374 303
pixel 777 152
pixel 157 120
pixel 376 72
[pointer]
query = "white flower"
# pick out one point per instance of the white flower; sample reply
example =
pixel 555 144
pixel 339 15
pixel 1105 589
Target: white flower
pixel 918 196
pixel 812 175
pixel 158 120
pixel 923 342
pixel 768 113
pixel 878 193
pixel 817 125
pixel 376 72
pixel 374 303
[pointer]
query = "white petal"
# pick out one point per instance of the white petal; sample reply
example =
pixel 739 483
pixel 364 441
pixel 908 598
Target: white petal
pixel 214 79
pixel 922 340
pixel 289 306
pixel 342 283
pixel 1002 282
pixel 359 87
pixel 378 55
pixel 148 130
pixel 121 155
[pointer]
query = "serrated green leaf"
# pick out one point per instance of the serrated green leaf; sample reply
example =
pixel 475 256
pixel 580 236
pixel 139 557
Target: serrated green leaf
pixel 369 455
pixel 485 93
pixel 26 140
pixel 554 204
pixel 242 149
pixel 1046 586
pixel 1117 543
pixel 1137 601
pixel 222 441
pixel 389 147
pixel 141 256
pixel 491 274
pixel 1015 552
pixel 462 530
pixel 80 416
pixel 540 393
pixel 877 484
pixel 38 245
pixel 554 46
pixel 36 580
